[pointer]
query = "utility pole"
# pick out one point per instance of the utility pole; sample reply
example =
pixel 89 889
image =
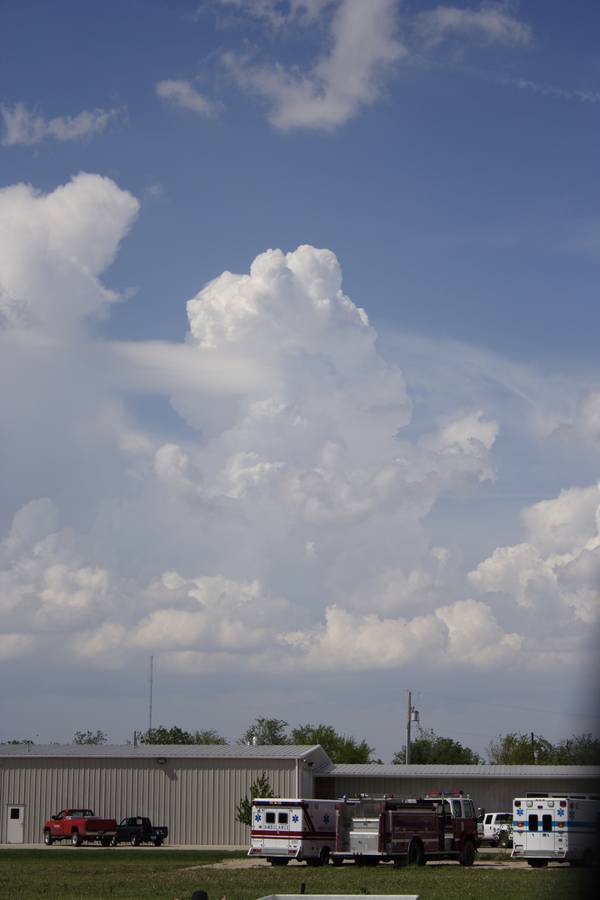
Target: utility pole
pixel 412 715
pixel 407 757
pixel 151 686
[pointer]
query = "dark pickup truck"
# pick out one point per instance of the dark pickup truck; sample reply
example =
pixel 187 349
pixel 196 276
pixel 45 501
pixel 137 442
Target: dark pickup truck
pixel 138 830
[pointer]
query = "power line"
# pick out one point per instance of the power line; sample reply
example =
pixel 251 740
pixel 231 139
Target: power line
pixel 537 709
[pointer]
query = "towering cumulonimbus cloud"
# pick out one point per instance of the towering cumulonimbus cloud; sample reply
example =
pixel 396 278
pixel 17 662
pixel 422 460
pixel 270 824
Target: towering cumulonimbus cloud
pixel 290 524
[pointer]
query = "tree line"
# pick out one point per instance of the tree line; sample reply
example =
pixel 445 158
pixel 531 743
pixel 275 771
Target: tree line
pixel 514 748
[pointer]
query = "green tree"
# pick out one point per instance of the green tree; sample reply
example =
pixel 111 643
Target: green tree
pixel 578 750
pixel 517 748
pixel 176 735
pixel 259 788
pixel 430 748
pixel 89 737
pixel 339 747
pixel 265 731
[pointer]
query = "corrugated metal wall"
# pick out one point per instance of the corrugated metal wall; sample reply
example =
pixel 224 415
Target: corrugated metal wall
pixel 493 794
pixel 195 798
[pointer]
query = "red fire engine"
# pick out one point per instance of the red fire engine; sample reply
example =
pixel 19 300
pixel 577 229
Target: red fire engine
pixel 438 826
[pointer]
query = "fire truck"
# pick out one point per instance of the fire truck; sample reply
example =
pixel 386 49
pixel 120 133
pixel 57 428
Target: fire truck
pixel 293 829
pixel 438 826
pixel 556 827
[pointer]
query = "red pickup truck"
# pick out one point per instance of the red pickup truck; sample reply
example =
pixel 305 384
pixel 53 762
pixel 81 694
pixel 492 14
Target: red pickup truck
pixel 79 825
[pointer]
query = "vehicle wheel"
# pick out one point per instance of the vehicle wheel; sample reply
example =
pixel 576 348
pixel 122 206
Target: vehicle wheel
pixel 537 863
pixel 114 842
pixel 467 857
pixel 106 841
pixel 48 839
pixel 416 854
pixel 158 842
pixel 337 861
pixel 588 859
pixel 135 840
pixel 278 860
pixel 76 839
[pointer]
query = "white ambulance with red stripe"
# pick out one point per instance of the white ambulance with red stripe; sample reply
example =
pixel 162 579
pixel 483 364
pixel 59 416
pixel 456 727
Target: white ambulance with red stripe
pixel 556 827
pixel 293 829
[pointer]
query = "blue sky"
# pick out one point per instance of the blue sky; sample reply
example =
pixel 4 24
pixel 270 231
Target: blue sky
pixel 262 487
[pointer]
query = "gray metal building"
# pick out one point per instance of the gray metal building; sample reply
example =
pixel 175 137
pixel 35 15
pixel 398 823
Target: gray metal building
pixel 491 787
pixel 194 790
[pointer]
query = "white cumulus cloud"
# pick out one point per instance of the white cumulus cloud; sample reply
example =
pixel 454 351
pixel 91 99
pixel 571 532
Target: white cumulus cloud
pixel 54 246
pixel 558 566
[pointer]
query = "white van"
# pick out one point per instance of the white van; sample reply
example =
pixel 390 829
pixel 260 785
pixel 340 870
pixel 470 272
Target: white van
pixel 492 823
pixel 557 827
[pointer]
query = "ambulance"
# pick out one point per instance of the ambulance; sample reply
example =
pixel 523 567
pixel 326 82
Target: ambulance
pixel 559 827
pixel 293 829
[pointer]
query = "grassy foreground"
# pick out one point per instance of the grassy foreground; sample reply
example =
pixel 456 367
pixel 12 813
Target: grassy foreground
pixel 96 874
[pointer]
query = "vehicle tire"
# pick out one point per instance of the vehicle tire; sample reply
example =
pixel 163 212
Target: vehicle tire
pixel 158 842
pixel 278 860
pixel 106 841
pixel 76 839
pixel 337 861
pixel 467 857
pixel 48 839
pixel 537 863
pixel 114 842
pixel 135 840
pixel 587 860
pixel 416 854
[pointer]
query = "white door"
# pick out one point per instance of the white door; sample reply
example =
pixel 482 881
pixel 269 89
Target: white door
pixel 14 827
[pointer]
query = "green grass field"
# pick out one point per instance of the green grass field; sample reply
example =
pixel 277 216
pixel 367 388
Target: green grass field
pixel 97 874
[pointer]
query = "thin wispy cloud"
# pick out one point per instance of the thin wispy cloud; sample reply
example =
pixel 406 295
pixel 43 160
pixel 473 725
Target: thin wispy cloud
pixel 490 24
pixel 278 14
pixel 23 127
pixel 180 93
pixel 551 90
pixel 363 46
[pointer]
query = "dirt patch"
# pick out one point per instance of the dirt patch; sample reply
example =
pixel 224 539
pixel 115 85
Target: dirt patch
pixel 249 863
